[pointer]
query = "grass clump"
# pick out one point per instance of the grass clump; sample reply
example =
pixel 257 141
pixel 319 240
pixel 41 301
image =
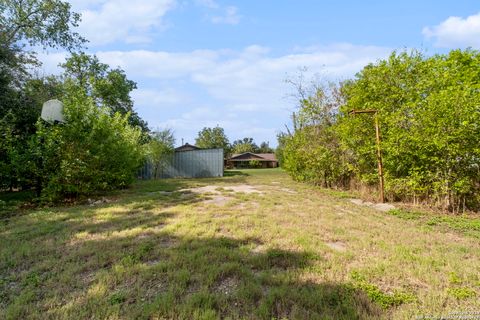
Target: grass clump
pixel 385 300
pixel 461 293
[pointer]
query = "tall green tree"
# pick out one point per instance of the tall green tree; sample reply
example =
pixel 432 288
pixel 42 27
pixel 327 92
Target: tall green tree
pixel 265 148
pixel 108 87
pixel 244 145
pixel 48 23
pixel 213 138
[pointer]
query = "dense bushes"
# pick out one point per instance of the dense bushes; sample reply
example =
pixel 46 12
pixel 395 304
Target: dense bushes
pixel 430 123
pixel 92 151
pixel 95 149
pixel 99 146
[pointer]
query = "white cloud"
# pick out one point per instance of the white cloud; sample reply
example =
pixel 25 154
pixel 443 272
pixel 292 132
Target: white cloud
pixel 50 61
pixel 211 4
pixel 222 14
pixel 160 64
pixel 456 32
pixel 160 97
pixel 229 16
pixel 107 21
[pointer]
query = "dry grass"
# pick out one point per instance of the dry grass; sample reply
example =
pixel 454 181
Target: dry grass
pixel 164 249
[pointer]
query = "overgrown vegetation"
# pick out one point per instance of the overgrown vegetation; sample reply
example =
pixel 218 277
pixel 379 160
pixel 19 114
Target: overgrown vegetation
pixel 160 150
pixel 428 110
pixel 93 151
pixel 100 145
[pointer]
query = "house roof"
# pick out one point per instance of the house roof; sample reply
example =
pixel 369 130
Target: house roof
pixel 247 156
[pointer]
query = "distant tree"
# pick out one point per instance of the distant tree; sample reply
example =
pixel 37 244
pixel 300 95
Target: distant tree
pixel 244 145
pixel 160 149
pixel 282 138
pixel 265 148
pixel 213 138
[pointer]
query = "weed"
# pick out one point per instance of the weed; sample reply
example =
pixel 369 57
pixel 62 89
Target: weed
pixel 461 293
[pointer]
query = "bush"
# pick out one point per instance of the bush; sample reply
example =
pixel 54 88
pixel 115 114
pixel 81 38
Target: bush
pixel 92 151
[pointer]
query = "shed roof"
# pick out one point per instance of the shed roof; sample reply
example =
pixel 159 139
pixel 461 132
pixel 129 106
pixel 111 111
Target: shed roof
pixel 187 147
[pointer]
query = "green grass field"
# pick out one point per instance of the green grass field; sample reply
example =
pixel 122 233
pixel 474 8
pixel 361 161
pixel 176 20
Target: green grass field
pixel 251 245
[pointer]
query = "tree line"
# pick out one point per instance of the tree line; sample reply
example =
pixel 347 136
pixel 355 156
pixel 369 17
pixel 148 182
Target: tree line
pixel 428 108
pixel 216 138
pixel 103 140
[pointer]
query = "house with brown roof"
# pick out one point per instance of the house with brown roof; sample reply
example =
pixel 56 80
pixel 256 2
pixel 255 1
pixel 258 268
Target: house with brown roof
pixel 250 159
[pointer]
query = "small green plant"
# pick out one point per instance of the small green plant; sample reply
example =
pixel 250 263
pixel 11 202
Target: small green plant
pixel 385 300
pixel 461 293
pixel 117 298
pixel 454 278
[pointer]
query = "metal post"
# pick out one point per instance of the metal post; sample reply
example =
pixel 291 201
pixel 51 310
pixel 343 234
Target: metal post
pixel 379 158
pixel 379 150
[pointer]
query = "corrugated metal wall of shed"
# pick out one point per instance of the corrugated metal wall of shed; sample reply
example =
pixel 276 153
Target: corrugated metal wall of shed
pixel 201 163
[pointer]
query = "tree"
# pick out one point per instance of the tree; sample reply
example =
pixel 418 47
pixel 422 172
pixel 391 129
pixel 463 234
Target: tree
pixel 265 148
pixel 282 139
pixel 428 112
pixel 244 145
pixel 35 22
pixel 160 149
pixel 213 138
pixel 39 22
pixel 108 87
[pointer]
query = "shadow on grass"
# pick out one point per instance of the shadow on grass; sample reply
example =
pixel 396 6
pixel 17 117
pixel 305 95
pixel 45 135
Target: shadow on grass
pixel 11 203
pixel 11 200
pixel 130 266
pixel 232 173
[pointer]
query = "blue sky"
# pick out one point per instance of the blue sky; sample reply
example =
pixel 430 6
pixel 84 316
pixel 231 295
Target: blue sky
pixel 206 62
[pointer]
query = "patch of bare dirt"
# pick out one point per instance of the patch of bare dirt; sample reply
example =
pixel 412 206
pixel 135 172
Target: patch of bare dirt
pixel 227 286
pixel 287 190
pixel 342 211
pixel 159 286
pixel 152 262
pixel 259 249
pixel 247 204
pixel 384 207
pixel 166 242
pixel 87 277
pixel 218 200
pixel 162 193
pixel 337 246
pixel 93 202
pixel 245 188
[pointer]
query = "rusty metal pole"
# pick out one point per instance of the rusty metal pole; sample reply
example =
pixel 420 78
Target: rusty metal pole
pixel 380 162
pixel 379 150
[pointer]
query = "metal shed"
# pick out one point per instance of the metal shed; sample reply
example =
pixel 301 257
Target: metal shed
pixel 199 163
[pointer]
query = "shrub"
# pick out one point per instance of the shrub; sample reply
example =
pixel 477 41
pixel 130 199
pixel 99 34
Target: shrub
pixel 92 151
